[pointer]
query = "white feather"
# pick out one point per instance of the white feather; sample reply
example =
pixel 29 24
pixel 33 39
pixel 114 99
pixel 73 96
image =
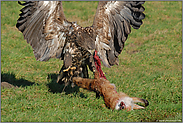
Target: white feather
pixel 110 5
pixel 105 46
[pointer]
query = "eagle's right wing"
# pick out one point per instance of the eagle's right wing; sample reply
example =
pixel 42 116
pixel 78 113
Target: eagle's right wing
pixel 44 26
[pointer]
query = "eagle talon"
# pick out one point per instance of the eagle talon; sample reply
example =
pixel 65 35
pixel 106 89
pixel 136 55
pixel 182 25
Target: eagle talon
pixel 69 68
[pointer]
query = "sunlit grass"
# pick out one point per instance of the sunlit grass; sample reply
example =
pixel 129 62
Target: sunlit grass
pixel 150 67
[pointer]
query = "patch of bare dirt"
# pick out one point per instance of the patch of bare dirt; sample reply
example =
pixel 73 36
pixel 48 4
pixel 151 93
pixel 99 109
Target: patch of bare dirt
pixel 7 85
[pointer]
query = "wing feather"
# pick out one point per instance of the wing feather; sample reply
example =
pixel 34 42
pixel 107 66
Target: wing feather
pixel 43 25
pixel 113 21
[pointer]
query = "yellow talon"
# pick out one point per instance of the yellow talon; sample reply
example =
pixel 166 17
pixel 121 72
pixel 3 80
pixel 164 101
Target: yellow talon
pixel 67 69
pixel 72 68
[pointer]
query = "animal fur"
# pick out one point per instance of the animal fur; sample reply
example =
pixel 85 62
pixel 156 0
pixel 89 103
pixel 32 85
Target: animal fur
pixel 112 99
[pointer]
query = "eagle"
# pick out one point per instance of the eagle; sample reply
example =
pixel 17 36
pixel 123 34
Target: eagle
pixel 51 35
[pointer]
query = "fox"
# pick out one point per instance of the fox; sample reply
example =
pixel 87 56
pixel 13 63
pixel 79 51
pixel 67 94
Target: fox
pixel 113 100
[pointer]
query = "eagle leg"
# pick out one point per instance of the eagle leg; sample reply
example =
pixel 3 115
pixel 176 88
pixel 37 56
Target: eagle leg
pixel 64 76
pixel 60 76
pixel 91 63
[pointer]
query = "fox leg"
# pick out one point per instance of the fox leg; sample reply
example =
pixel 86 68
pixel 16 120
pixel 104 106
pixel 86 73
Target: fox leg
pixel 112 99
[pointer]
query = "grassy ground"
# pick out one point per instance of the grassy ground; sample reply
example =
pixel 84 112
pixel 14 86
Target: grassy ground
pixel 150 68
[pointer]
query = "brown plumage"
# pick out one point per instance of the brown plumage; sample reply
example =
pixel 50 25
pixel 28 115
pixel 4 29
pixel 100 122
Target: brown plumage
pixel 51 35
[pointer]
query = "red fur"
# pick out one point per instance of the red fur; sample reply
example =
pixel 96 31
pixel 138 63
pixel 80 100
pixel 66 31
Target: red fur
pixel 101 86
pixel 108 91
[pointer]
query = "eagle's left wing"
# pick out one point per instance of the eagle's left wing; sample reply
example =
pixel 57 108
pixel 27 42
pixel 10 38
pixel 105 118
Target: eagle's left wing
pixel 112 23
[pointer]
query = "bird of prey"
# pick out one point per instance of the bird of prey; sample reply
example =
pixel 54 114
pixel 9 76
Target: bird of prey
pixel 51 35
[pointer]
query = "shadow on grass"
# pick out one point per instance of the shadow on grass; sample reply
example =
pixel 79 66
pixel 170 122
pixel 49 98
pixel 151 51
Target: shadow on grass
pixel 10 78
pixel 54 87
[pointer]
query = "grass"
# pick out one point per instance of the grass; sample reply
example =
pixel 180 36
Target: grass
pixel 150 67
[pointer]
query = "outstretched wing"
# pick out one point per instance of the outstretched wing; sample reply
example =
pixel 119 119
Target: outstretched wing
pixel 112 23
pixel 44 26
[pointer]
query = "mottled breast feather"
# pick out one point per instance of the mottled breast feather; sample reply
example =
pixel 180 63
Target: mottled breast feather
pixel 45 27
pixel 112 23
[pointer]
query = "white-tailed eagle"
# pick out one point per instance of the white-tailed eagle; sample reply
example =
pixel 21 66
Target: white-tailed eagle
pixel 51 35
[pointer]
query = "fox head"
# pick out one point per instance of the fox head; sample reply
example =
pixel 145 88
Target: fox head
pixel 128 103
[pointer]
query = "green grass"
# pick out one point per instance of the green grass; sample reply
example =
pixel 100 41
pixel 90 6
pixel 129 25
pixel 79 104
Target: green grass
pixel 150 68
